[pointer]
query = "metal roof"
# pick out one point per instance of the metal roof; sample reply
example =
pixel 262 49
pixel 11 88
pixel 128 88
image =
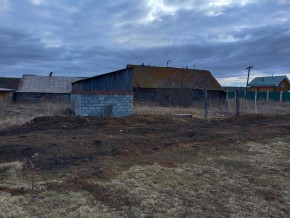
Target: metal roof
pixel 99 76
pixel 268 81
pixel 46 84
pixel 169 77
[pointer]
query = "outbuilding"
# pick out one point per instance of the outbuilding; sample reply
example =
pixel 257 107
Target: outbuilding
pixel 106 95
pixel 44 88
pixel 174 86
pixel 8 87
pixel 6 95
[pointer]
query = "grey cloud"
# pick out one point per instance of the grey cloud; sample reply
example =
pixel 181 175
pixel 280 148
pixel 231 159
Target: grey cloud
pixel 86 38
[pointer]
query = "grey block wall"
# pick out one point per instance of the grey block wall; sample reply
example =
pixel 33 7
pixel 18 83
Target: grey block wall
pixel 94 104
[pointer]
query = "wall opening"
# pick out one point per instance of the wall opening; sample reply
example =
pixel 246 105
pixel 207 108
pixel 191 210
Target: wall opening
pixel 107 110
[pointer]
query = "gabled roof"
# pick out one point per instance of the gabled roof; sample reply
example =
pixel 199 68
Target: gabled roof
pixel 46 84
pixel 170 77
pixel 268 81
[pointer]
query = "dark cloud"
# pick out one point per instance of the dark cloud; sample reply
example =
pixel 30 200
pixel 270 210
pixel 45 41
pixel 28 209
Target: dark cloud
pixel 86 38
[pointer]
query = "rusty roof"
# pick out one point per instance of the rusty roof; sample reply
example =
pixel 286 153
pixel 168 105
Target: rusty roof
pixel 170 77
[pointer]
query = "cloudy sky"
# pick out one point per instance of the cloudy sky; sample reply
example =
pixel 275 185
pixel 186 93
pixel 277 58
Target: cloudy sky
pixel 89 37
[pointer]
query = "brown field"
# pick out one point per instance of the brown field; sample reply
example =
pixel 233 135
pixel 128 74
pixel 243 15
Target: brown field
pixel 148 165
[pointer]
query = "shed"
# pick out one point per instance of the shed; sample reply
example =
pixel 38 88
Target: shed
pixel 35 88
pixel 270 84
pixel 173 86
pixel 106 95
pixel 6 95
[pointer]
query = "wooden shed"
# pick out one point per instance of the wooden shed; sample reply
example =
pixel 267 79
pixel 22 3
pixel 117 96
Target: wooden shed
pixel 6 95
pixel 106 95
pixel 45 88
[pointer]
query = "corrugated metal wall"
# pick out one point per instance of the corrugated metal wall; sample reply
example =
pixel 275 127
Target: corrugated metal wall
pixel 273 96
pixel 121 80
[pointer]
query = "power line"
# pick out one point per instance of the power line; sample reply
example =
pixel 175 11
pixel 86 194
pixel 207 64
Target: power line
pixel 242 46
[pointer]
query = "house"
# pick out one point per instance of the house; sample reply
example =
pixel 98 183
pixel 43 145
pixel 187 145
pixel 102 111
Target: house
pixel 173 86
pixel 270 84
pixel 52 88
pixel 106 95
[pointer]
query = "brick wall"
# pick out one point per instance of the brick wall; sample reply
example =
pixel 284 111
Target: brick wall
pixel 102 105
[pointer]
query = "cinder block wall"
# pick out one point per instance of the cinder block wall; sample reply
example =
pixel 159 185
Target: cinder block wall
pixel 95 104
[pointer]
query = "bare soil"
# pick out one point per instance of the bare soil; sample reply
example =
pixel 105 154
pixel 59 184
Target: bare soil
pixel 64 142
pixel 101 149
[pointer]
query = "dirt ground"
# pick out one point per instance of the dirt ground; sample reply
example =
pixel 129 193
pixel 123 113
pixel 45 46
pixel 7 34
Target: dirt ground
pixel 141 165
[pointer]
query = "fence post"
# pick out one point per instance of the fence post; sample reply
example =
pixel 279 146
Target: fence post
pixel 256 96
pixel 281 96
pixel 237 103
pixel 29 162
pixel 268 93
pixel 205 104
pixel 226 102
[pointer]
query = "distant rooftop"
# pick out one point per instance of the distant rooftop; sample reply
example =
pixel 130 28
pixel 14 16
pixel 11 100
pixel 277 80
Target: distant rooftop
pixel 268 81
pixel 46 84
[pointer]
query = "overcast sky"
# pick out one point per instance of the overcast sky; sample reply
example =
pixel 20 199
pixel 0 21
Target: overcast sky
pixel 89 37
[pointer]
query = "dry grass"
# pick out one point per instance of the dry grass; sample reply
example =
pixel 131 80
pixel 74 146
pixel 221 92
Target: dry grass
pixel 261 107
pixel 217 110
pixel 169 110
pixel 249 180
pixel 11 175
pixel 12 114
pixel 252 181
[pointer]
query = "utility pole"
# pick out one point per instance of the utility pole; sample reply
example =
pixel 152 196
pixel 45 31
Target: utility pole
pixel 249 70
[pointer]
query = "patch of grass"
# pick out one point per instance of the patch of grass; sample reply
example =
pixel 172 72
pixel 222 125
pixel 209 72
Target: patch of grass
pixel 11 175
pixel 217 110
pixel 14 114
pixel 52 204
pixel 251 181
